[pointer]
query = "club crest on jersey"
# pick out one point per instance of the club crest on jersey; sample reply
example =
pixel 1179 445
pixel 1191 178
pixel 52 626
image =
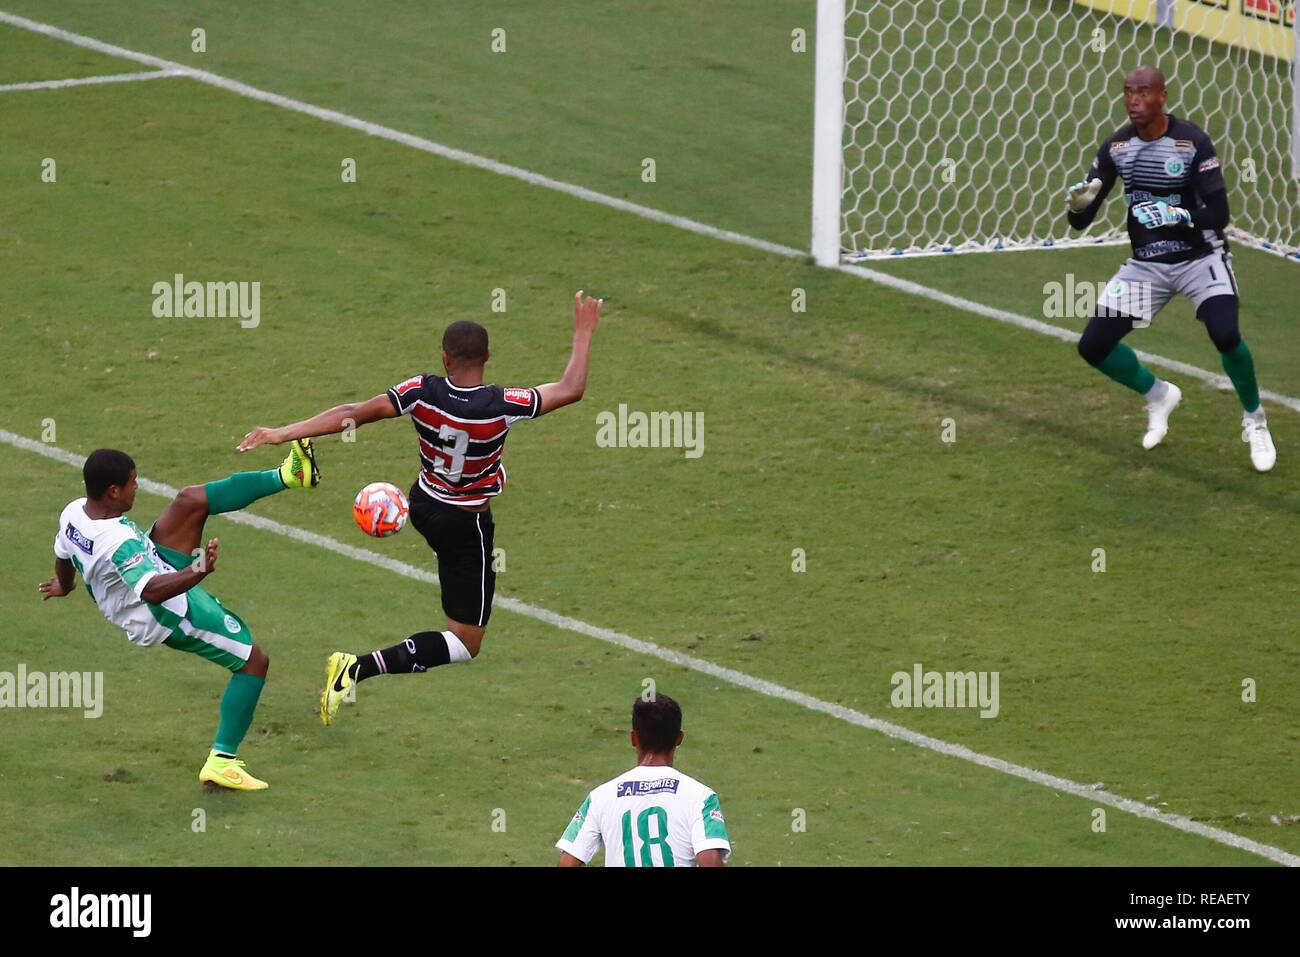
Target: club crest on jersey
pixel 81 541
pixel 232 625
pixel 519 396
pixel 1175 166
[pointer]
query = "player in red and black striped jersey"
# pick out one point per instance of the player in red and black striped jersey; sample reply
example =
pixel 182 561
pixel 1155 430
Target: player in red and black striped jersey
pixel 462 432
pixel 461 425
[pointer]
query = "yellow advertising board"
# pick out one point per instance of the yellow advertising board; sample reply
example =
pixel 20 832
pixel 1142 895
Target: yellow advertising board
pixel 1266 26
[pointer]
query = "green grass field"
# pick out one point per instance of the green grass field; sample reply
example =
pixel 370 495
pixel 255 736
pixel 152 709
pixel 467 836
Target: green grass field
pixel 822 433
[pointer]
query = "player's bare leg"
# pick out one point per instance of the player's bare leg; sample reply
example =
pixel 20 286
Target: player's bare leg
pixel 471 636
pixel 258 663
pixel 180 526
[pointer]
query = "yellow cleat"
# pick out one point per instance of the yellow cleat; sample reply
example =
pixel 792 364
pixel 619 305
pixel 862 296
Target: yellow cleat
pixel 339 681
pixel 298 470
pixel 229 773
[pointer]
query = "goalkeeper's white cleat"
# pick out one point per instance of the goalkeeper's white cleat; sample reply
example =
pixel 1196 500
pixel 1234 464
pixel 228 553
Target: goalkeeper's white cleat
pixel 1158 413
pixel 1254 429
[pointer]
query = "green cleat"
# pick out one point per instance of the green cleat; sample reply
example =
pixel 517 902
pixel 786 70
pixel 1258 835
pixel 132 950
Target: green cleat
pixel 298 470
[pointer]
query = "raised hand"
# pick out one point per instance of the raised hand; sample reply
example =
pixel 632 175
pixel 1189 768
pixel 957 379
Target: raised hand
pixel 1079 196
pixel 586 312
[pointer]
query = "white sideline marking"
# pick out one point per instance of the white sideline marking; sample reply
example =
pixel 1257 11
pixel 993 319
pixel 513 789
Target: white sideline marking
pixel 88 80
pixel 613 202
pixel 1046 328
pixel 729 675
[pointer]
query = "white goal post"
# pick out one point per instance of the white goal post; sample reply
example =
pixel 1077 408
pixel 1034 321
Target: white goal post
pixel 952 126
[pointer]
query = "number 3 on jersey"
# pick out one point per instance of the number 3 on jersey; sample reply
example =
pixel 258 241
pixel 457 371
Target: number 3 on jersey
pixel 647 842
pixel 458 439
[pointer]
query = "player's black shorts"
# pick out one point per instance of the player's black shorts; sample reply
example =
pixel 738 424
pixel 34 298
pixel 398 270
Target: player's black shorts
pixel 462 540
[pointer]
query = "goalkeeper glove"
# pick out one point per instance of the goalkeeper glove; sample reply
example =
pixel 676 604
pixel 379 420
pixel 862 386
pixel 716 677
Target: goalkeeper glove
pixel 1156 214
pixel 1080 196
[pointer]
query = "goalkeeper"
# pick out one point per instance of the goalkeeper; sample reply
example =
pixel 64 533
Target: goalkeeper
pixel 1177 211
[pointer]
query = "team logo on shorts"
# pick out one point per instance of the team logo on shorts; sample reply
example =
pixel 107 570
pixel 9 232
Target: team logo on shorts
pixel 1115 289
pixel 232 625
pixel 1174 167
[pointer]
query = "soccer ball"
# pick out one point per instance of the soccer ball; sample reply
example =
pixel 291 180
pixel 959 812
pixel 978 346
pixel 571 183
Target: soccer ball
pixel 380 509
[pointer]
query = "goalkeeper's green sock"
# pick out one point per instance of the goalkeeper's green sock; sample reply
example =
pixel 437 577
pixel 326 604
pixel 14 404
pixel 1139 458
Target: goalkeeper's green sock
pixel 237 706
pixel 241 490
pixel 1240 366
pixel 1122 365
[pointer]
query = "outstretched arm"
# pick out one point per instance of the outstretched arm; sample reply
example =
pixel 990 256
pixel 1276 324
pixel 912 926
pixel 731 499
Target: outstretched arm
pixel 555 395
pixel 333 420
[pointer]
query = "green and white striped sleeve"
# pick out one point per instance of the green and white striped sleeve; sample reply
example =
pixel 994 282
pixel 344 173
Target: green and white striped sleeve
pixel 709 830
pixel 582 837
pixel 131 559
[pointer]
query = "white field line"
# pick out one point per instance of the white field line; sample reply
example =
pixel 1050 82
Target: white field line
pixel 613 202
pixel 729 675
pixel 1218 380
pixel 88 81
pixel 604 634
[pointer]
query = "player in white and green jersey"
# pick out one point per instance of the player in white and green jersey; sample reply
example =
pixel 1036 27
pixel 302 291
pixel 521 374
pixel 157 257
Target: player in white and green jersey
pixel 652 815
pixel 148 585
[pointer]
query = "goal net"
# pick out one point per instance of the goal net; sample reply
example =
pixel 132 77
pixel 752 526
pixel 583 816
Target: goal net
pixel 955 125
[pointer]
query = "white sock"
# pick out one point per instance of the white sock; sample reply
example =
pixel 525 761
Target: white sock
pixel 1157 392
pixel 1257 415
pixel 455 648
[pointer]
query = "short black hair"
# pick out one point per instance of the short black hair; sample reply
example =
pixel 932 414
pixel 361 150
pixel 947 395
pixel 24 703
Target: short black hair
pixel 105 467
pixel 657 722
pixel 466 341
